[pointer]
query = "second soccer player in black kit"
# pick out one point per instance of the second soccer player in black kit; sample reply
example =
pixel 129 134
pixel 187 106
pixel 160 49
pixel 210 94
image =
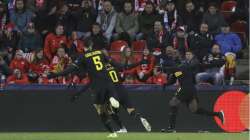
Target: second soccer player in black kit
pixel 187 93
pixel 123 97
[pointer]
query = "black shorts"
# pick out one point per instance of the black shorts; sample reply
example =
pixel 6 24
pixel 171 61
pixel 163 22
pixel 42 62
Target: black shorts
pixel 186 95
pixel 101 94
pixel 123 96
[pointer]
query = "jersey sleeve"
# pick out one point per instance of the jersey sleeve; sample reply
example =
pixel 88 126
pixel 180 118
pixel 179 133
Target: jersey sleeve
pixel 79 61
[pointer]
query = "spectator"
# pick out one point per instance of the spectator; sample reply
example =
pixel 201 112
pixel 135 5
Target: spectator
pixel 167 58
pixel 216 74
pixel 20 16
pixel 8 42
pixel 18 77
pixel 213 18
pixel 75 46
pixel 177 57
pixel 100 41
pixel 201 42
pixel 158 39
pixel 127 58
pixel 145 70
pixel 60 60
pixel 44 20
pixel 31 4
pixel 4 17
pixel 42 79
pixel 139 5
pixel 73 4
pixel 53 41
pixel 158 77
pixel 146 20
pixel 64 17
pixel 230 67
pixel 4 68
pixel 19 62
pixel 191 18
pixel 127 21
pixel 180 41
pixel 59 63
pixel 85 18
pixel 228 41
pixel 191 60
pixel 30 40
pixel 107 19
pixel 170 16
pixel 39 63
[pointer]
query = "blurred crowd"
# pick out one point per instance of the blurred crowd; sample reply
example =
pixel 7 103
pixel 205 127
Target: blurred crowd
pixel 40 36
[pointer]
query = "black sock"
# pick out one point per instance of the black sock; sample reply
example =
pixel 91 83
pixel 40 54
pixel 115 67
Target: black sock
pixel 135 114
pixel 172 117
pixel 202 111
pixel 106 122
pixel 117 120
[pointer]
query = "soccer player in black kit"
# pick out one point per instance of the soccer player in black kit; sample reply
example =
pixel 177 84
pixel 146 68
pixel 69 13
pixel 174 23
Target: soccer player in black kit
pixel 123 97
pixel 103 83
pixel 187 93
pixel 92 61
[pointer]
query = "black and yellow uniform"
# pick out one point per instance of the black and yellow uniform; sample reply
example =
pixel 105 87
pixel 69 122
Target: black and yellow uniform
pixel 123 97
pixel 187 93
pixel 186 90
pixel 93 62
pixel 114 77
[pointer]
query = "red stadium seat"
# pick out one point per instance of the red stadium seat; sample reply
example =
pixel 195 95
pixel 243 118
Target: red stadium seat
pixel 240 28
pixel 137 56
pixel 116 56
pixel 228 8
pixel 117 45
pixel 139 45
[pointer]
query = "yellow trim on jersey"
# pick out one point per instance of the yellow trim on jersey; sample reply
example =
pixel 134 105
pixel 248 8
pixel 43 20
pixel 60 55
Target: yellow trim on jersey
pixel 90 54
pixel 178 73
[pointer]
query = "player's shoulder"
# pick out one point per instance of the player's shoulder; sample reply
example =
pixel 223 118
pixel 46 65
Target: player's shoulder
pixel 91 53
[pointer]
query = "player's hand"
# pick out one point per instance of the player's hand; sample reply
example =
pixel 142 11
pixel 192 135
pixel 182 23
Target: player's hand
pixel 51 75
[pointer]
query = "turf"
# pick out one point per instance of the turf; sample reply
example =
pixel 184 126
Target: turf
pixel 129 136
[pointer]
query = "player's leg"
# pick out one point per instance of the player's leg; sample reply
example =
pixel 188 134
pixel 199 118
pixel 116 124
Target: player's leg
pixel 127 104
pixel 100 109
pixel 194 108
pixel 174 104
pixel 116 118
pixel 112 96
pixel 99 103
pixel 136 115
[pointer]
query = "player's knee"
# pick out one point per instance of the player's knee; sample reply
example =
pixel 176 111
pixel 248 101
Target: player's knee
pixel 129 110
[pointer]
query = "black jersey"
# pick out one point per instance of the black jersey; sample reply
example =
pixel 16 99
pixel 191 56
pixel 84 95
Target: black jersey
pixel 93 62
pixel 113 74
pixel 114 68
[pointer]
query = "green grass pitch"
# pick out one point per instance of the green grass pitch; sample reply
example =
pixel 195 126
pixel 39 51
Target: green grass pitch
pixel 128 136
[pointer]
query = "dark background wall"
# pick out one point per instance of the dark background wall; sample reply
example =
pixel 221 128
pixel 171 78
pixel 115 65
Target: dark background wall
pixel 52 111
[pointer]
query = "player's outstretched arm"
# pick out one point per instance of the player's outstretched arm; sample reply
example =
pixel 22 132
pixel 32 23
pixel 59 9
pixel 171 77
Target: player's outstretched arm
pixel 171 69
pixel 76 96
pixel 68 70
